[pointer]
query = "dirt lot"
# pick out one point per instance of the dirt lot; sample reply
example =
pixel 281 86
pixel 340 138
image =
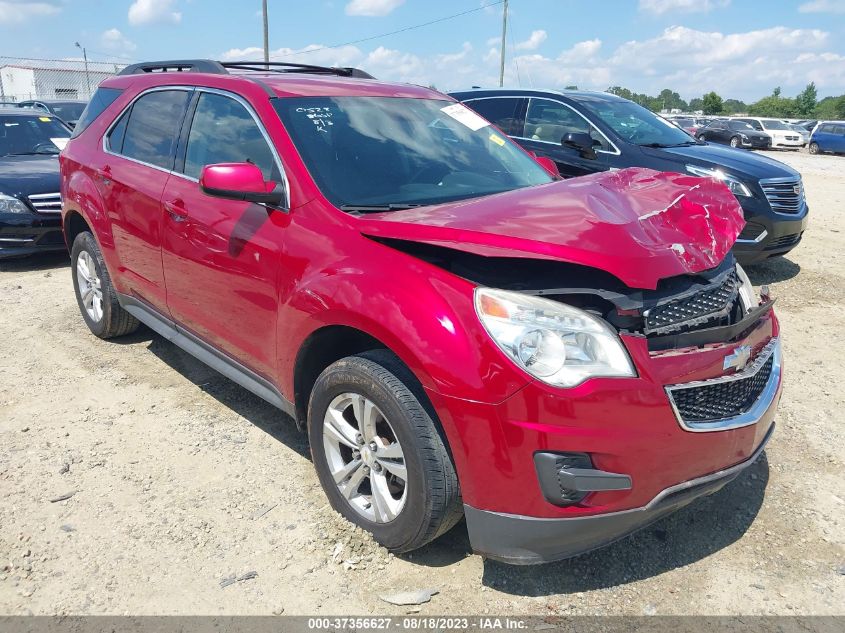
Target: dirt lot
pixel 183 480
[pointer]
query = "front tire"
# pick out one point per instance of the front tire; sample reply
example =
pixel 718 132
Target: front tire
pixel 734 141
pixel 95 294
pixel 378 453
pixel 814 148
pixel 702 138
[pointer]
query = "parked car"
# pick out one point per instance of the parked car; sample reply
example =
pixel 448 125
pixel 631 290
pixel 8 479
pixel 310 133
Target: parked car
pixel 459 332
pixel 68 111
pixel 807 124
pixel 734 133
pixel 30 205
pixel 829 136
pixel 690 125
pixel 601 131
pixel 803 133
pixel 783 136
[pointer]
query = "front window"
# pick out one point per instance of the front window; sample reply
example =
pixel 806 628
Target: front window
pixel 392 152
pixel 775 125
pixel 30 135
pixel 549 121
pixel 638 125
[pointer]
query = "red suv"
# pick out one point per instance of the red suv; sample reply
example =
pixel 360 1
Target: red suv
pixel 461 333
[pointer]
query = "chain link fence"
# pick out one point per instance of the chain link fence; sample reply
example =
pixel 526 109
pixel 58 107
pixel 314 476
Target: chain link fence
pixel 26 79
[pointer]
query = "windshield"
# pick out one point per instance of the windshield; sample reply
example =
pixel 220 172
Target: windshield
pixel 775 125
pixel 740 125
pixel 380 151
pixel 22 135
pixel 68 111
pixel 638 125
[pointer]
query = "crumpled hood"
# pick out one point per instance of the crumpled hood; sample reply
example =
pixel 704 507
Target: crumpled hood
pixel 637 224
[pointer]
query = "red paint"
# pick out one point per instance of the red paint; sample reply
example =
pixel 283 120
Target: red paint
pixel 240 177
pixel 257 283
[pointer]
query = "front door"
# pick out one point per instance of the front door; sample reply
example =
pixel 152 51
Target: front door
pixel 546 123
pixel 221 257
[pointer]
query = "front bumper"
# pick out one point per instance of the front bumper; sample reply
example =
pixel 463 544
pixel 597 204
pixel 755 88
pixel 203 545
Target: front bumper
pixel 767 233
pixel 24 234
pixel 755 143
pixel 523 540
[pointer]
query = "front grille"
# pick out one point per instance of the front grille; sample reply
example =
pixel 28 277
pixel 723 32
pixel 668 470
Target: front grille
pixel 785 196
pixel 713 401
pixel 710 303
pixel 792 138
pixel 46 202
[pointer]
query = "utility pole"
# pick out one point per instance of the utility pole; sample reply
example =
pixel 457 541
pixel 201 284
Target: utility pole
pixel 87 76
pixel 266 32
pixel 504 35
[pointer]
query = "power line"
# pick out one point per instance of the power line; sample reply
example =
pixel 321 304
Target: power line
pixel 403 30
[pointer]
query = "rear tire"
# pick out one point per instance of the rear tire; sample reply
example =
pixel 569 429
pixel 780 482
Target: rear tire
pixel 373 399
pixel 95 294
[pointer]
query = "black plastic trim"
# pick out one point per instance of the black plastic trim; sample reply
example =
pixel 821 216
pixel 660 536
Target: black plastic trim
pixel 525 540
pixel 176 65
pixel 205 352
pixel 720 334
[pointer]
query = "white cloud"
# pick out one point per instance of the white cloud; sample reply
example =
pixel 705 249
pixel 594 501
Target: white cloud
pixel 823 6
pixel 743 65
pixel 371 8
pixel 153 12
pixel 660 7
pixel 533 42
pixel 115 41
pixel 18 11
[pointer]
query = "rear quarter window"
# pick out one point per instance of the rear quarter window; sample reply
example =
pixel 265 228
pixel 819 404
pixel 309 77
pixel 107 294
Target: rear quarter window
pixel 101 100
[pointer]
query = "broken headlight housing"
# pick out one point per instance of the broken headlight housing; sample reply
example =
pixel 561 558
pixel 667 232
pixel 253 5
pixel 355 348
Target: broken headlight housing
pixel 747 296
pixel 554 342
pixel 737 187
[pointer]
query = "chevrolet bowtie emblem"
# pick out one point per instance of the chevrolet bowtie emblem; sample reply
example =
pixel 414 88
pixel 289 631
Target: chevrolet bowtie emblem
pixel 738 359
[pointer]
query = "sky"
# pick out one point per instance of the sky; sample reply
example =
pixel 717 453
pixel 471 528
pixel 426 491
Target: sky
pixel 739 48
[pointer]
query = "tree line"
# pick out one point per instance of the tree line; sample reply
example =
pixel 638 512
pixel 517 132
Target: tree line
pixel 805 105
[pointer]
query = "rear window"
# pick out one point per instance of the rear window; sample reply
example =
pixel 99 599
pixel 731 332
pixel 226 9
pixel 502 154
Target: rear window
pixel 101 100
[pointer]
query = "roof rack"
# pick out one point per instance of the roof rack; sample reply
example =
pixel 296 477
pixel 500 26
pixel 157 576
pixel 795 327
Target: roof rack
pixel 221 68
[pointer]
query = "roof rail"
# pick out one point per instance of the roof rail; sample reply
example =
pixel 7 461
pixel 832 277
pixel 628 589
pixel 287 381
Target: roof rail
pixel 221 68
pixel 176 65
pixel 286 67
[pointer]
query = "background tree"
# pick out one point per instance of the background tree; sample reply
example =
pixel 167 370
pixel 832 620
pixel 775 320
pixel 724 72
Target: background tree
pixel 774 106
pixel 831 108
pixel 806 101
pixel 712 103
pixel 571 88
pixel 696 104
pixel 734 106
pixel 671 100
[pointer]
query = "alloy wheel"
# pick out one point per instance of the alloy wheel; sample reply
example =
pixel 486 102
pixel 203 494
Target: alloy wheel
pixel 90 290
pixel 365 458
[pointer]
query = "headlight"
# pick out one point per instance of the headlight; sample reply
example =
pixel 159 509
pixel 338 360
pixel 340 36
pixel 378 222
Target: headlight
pixel 554 342
pixel 736 186
pixel 747 296
pixel 744 137
pixel 10 204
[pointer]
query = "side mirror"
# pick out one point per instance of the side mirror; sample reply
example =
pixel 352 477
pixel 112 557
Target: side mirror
pixel 240 181
pixel 549 165
pixel 581 141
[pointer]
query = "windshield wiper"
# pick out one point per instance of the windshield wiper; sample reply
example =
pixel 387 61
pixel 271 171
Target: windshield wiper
pixel 684 144
pixel 50 153
pixel 377 208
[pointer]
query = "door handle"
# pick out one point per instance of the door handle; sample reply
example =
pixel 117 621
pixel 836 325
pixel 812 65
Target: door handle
pixel 176 210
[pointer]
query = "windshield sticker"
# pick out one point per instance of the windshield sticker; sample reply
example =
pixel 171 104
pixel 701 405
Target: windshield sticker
pixel 321 117
pixel 46 119
pixel 465 116
pixel 498 140
pixel 59 142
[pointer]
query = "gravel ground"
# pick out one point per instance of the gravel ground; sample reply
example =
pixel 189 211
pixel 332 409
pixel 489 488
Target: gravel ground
pixel 191 496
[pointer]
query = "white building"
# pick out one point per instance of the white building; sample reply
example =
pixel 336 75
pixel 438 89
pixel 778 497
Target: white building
pixel 41 79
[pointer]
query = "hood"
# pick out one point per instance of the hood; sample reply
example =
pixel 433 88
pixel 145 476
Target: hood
pixel 25 175
pixel 636 224
pixel 737 162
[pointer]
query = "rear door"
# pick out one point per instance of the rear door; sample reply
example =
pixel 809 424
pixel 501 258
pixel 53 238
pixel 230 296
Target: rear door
pixel 221 257
pixel 837 139
pixel 139 152
pixel 547 121
pixel 506 113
